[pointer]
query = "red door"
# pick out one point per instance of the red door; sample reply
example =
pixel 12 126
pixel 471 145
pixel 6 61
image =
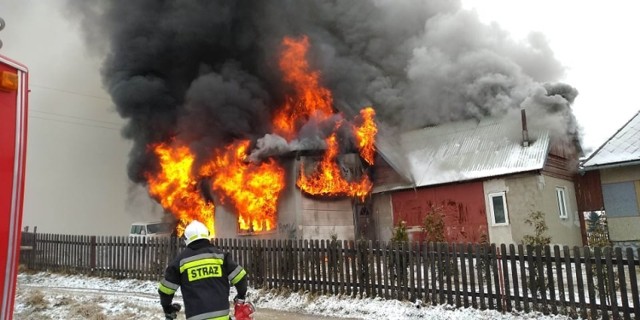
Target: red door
pixel 13 132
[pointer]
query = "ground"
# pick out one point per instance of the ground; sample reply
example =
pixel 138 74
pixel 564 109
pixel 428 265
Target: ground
pixel 53 296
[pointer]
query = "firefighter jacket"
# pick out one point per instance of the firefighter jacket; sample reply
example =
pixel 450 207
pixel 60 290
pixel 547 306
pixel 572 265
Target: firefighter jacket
pixel 204 273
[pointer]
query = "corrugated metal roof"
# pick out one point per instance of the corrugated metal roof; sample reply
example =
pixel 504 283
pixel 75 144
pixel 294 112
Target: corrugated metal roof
pixel 469 150
pixel 622 147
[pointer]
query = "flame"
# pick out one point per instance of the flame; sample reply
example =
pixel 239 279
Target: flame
pixel 327 178
pixel 177 190
pixel 310 99
pixel 253 189
pixel 366 135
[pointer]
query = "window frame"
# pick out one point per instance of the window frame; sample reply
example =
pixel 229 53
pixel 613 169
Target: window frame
pixel 562 207
pixel 503 195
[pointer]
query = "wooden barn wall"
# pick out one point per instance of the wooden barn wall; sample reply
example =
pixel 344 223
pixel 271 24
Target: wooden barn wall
pixel 562 160
pixel 589 191
pixel 463 207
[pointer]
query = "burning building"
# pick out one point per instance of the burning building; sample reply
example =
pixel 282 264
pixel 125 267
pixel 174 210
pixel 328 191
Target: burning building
pixel 262 117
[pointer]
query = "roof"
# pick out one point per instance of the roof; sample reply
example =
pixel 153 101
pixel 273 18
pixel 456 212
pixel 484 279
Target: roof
pixel 623 148
pixel 469 150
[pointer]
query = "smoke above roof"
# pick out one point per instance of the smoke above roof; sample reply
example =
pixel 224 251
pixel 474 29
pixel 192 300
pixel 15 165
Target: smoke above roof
pixel 206 71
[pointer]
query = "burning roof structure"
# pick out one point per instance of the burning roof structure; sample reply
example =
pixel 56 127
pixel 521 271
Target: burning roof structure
pixel 215 92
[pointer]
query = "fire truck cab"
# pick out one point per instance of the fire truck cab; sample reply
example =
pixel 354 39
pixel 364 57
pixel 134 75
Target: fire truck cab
pixel 13 139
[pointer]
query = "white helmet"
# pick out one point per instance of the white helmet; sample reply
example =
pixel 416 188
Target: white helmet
pixel 194 231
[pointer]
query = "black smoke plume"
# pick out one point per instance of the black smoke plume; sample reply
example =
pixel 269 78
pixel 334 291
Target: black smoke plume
pixel 207 72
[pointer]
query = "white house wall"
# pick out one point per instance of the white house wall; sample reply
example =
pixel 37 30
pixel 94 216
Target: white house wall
pixel 527 193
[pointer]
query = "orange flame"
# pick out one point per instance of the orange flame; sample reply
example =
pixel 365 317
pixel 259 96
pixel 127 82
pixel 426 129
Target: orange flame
pixel 310 99
pixel 327 179
pixel 253 189
pixel 366 135
pixel 177 190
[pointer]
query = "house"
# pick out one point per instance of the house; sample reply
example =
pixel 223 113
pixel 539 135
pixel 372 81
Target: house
pixel 614 169
pixel 485 176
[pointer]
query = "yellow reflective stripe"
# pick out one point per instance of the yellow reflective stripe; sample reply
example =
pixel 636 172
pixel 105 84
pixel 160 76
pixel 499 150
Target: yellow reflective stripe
pixel 215 315
pixel 202 235
pixel 200 262
pixel 166 290
pixel 239 277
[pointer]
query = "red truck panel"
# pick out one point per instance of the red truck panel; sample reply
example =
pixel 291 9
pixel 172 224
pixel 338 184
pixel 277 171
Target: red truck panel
pixel 13 133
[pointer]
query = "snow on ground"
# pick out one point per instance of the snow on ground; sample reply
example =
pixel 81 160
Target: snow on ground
pixel 58 296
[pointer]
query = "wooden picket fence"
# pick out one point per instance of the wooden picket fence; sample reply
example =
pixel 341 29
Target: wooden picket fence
pixel 591 283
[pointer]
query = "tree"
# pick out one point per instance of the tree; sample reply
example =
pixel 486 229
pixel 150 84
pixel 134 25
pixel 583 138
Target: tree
pixel 433 226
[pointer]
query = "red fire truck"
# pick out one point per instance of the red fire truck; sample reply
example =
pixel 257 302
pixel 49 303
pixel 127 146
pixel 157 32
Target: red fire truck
pixel 13 141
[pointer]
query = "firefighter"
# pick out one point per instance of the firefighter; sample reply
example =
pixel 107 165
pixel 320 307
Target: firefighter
pixel 205 274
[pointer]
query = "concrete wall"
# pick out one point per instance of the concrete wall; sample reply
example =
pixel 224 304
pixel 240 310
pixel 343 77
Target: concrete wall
pixel 623 228
pixel 527 193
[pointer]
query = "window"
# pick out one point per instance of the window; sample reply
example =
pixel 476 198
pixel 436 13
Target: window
pixel 498 206
pixel 562 202
pixel 621 199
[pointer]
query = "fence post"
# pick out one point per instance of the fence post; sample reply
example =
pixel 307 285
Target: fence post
pixel 502 267
pixel 92 254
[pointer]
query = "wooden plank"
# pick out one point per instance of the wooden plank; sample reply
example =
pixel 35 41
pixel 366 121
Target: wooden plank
pixel 533 288
pixel 513 258
pixel 569 274
pixel 347 266
pixel 400 268
pixel 434 275
pixel 620 263
pixel 481 263
pixel 322 254
pixel 600 276
pixel 305 265
pixel 441 271
pixel 355 276
pixel 523 277
pixel 366 266
pixel 582 305
pixel 448 272
pixel 611 282
pixel 488 264
pixel 551 287
pixel 590 289
pixel 456 274
pixel 463 270
pixel 472 254
pixel 331 267
pixel 387 266
pixel 341 256
pixel 633 282
pixel 494 269
pixel 540 266
pixel 506 288
pixel 416 252
pixel 411 286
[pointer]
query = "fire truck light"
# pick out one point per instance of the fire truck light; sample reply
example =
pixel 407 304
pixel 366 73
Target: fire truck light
pixel 9 81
